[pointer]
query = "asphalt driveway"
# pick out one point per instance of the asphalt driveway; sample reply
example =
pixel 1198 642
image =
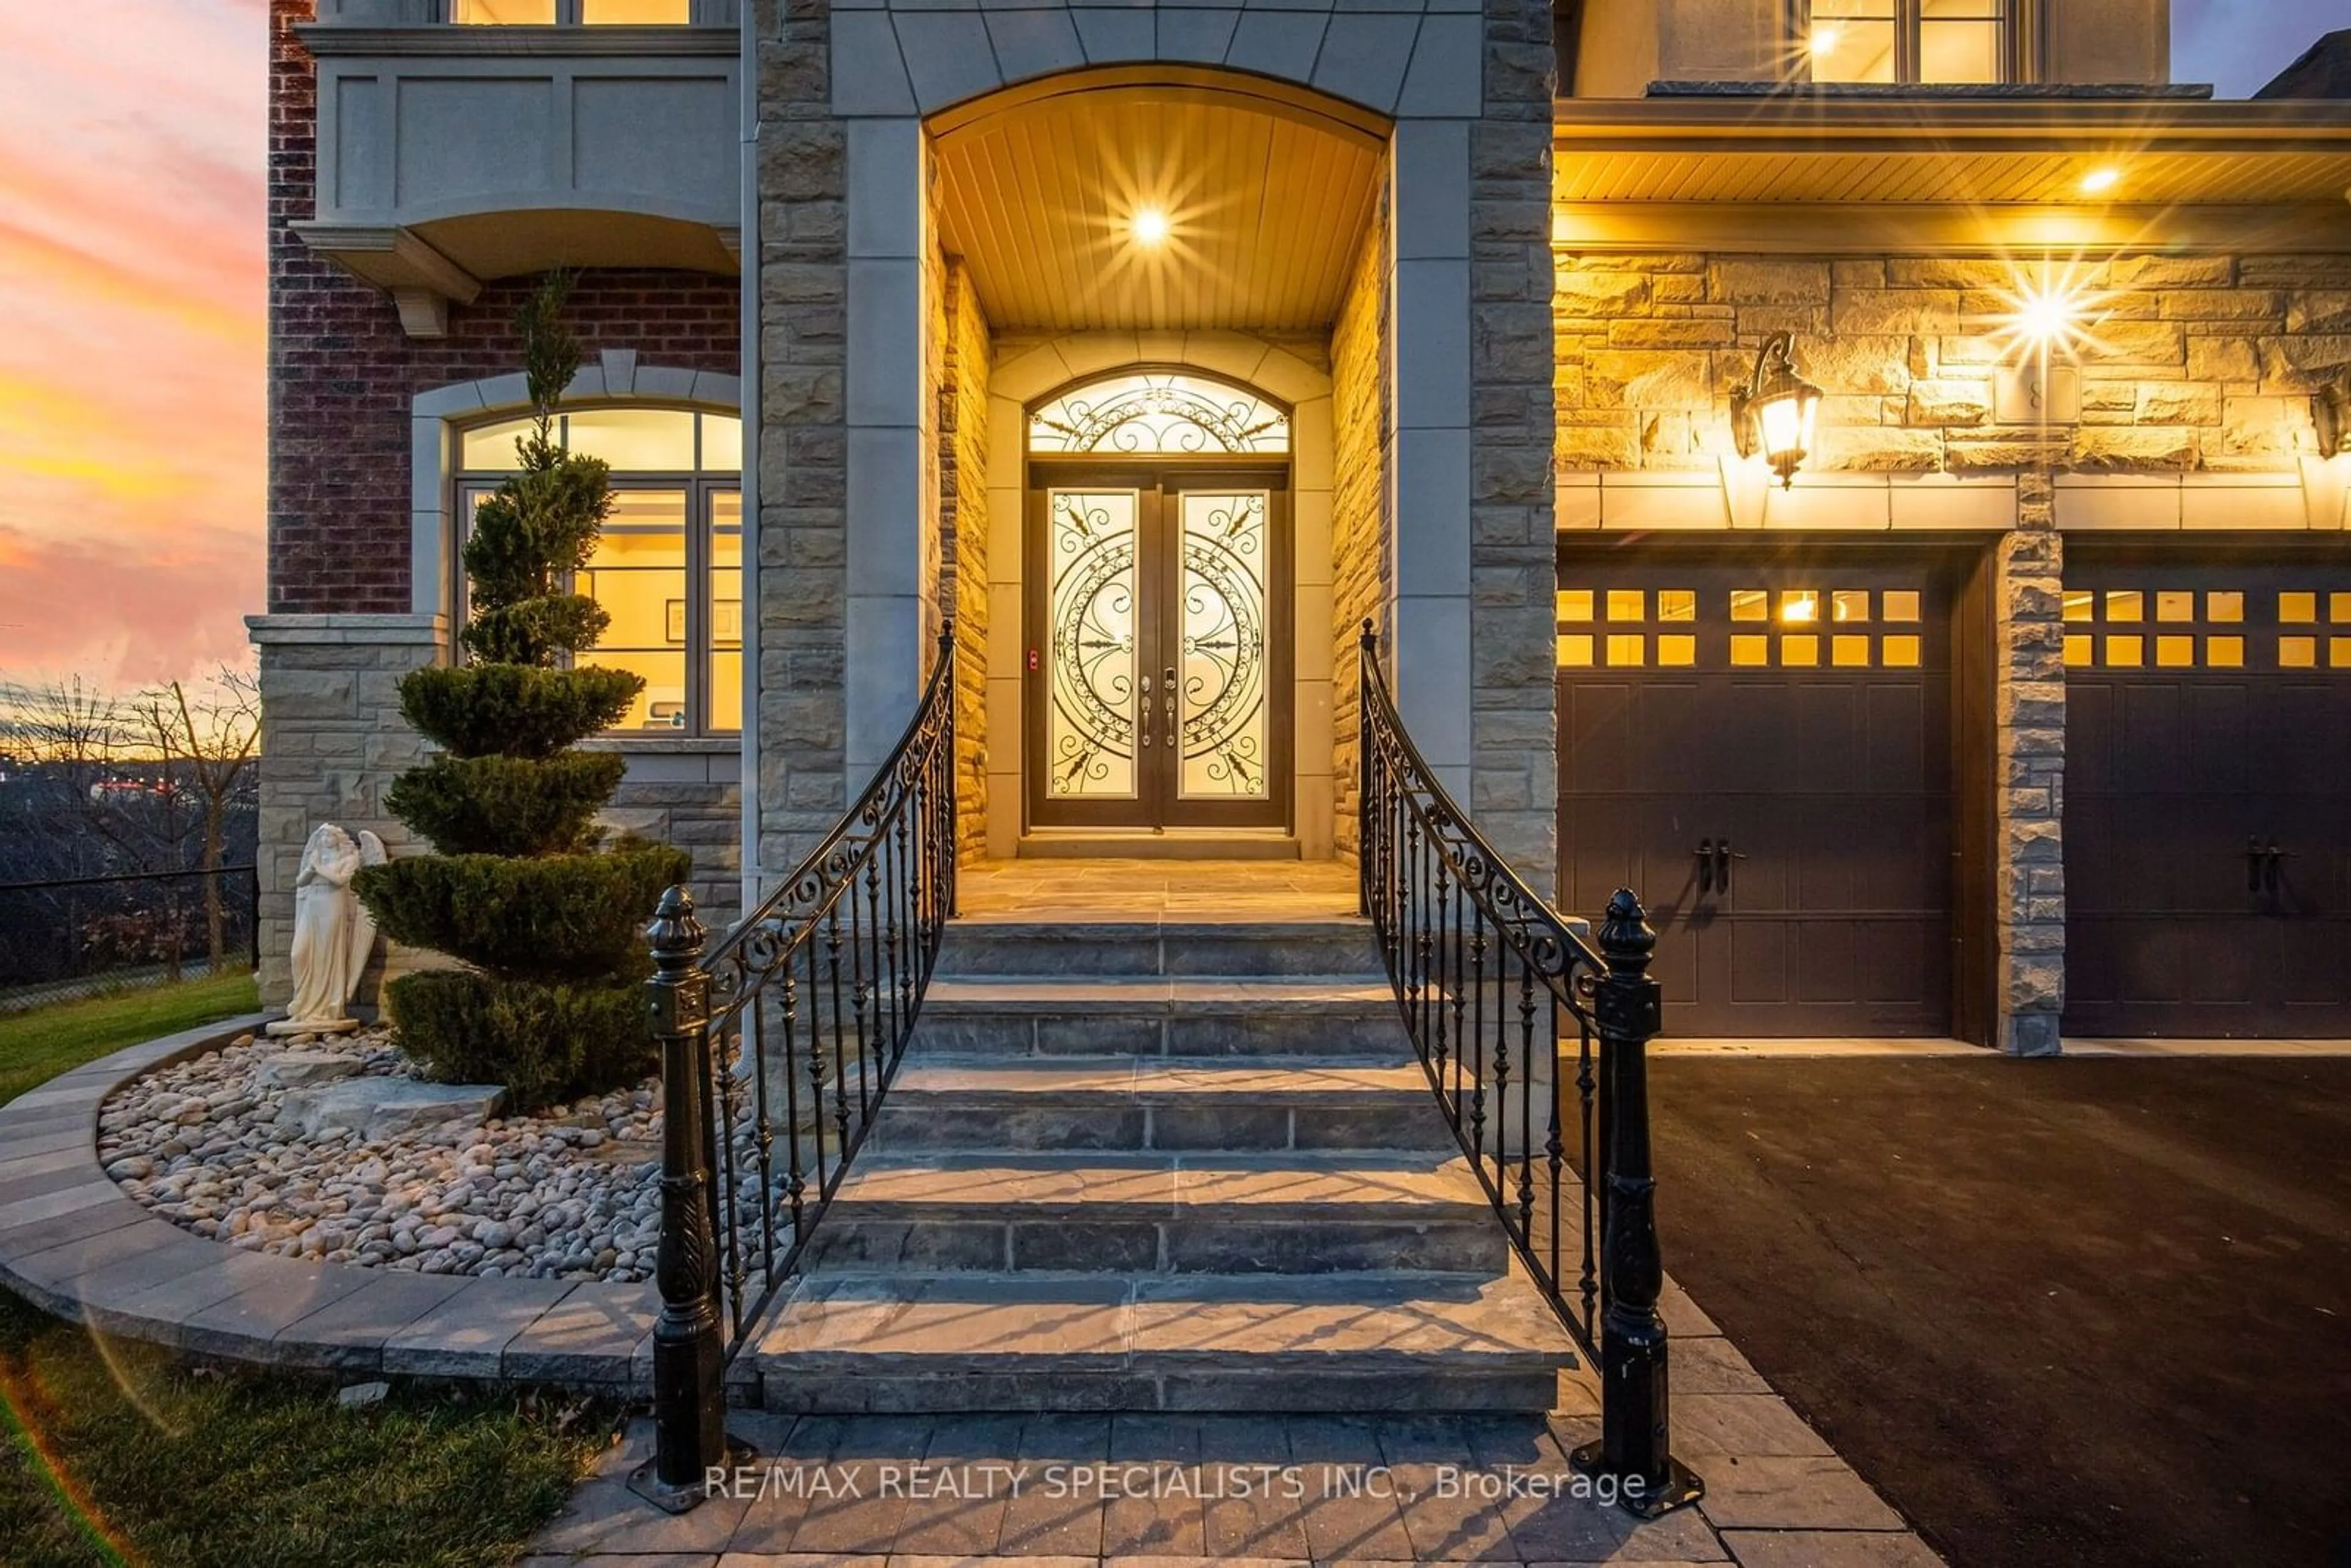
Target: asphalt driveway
pixel 2081 1311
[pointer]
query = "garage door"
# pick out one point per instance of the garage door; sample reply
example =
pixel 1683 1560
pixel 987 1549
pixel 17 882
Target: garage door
pixel 1764 754
pixel 2208 800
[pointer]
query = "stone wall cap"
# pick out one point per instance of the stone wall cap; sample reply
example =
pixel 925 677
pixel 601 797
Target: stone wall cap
pixel 268 631
pixel 667 745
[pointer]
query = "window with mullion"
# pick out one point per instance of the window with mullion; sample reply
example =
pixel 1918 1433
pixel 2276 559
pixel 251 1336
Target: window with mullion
pixel 668 568
pixel 1922 42
pixel 570 13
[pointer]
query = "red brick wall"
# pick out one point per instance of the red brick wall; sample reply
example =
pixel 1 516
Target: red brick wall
pixel 341 371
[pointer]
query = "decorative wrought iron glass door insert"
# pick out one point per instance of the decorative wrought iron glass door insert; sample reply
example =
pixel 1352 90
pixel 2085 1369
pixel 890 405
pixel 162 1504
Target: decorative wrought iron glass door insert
pixel 1158 669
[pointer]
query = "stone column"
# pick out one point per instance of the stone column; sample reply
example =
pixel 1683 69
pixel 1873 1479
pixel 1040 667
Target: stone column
pixel 1514 574
pixel 802 785
pixel 332 740
pixel 2029 770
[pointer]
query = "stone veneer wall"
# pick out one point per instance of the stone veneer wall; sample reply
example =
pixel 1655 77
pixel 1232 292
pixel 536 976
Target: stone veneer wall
pixel 1514 757
pixel 332 741
pixel 962 536
pixel 691 799
pixel 1362 564
pixel 2195 363
pixel 802 182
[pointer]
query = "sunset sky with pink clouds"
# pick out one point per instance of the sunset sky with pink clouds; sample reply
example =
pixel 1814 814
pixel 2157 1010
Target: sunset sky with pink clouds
pixel 131 333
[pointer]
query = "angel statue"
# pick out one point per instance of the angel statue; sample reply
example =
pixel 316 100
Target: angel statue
pixel 332 931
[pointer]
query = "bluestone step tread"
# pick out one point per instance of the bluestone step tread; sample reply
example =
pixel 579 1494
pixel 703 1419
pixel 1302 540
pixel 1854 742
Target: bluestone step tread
pixel 894 1323
pixel 1125 948
pixel 1289 1185
pixel 1156 996
pixel 1160 1080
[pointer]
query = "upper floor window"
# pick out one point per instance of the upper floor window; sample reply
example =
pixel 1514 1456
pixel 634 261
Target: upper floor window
pixel 570 13
pixel 669 567
pixel 1925 42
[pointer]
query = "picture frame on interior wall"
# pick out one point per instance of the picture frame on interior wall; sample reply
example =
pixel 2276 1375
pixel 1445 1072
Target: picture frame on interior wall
pixel 673 621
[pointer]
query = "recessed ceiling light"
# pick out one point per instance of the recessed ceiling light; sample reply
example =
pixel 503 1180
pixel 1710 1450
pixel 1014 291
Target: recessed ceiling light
pixel 2098 181
pixel 1150 226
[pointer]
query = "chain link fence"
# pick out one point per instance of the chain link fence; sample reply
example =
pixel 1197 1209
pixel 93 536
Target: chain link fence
pixel 68 938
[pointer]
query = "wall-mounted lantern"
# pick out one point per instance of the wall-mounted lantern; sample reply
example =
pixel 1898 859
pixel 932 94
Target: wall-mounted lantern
pixel 1776 413
pixel 2330 412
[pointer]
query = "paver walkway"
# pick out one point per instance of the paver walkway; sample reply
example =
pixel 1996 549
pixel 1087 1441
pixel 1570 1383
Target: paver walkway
pixel 1162 1491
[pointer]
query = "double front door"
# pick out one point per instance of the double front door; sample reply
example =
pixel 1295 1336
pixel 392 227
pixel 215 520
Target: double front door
pixel 1158 659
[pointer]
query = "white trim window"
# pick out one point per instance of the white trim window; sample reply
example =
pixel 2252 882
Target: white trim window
pixel 1912 42
pixel 669 567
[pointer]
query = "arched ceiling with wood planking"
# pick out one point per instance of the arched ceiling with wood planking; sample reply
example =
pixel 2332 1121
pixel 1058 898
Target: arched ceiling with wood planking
pixel 1266 204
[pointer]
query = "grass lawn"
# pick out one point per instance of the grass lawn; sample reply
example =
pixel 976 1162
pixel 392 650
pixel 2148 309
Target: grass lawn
pixel 38 1045
pixel 118 1455
pixel 114 1453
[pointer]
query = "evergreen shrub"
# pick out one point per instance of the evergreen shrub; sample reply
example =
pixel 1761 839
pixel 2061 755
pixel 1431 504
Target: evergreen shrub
pixel 548 923
pixel 508 805
pixel 514 710
pixel 547 1041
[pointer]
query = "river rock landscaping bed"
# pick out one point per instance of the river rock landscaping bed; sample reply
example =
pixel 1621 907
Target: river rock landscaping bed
pixel 333 1148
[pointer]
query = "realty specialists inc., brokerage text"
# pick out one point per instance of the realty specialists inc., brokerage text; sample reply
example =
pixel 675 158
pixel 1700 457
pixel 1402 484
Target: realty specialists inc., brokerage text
pixel 982 1481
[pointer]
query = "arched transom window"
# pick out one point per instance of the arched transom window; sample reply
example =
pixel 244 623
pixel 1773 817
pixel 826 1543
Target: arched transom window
pixel 1159 414
pixel 669 567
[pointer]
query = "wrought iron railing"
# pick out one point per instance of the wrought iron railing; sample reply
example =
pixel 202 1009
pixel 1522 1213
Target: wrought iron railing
pixel 776 1049
pixel 1488 978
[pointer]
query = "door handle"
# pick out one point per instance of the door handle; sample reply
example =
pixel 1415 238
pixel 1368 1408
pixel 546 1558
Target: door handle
pixel 2256 866
pixel 1723 855
pixel 2273 866
pixel 1145 733
pixel 1705 865
pixel 1167 696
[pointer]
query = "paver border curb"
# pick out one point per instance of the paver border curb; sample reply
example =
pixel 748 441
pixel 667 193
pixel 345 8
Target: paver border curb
pixel 77 1246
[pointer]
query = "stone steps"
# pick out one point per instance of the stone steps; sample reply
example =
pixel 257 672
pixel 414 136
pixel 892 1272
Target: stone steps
pixel 1180 1162
pixel 847 1341
pixel 1190 1214
pixel 1166 1103
pixel 1337 1017
pixel 1135 948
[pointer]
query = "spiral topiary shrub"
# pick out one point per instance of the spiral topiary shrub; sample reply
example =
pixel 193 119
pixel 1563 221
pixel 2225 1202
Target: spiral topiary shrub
pixel 514 710
pixel 546 918
pixel 507 805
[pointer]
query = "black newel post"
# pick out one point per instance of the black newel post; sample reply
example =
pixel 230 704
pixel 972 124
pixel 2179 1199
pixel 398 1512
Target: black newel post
pixel 689 1408
pixel 1635 1441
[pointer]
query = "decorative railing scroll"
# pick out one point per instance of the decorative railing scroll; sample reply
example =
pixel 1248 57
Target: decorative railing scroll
pixel 1488 978
pixel 778 1050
